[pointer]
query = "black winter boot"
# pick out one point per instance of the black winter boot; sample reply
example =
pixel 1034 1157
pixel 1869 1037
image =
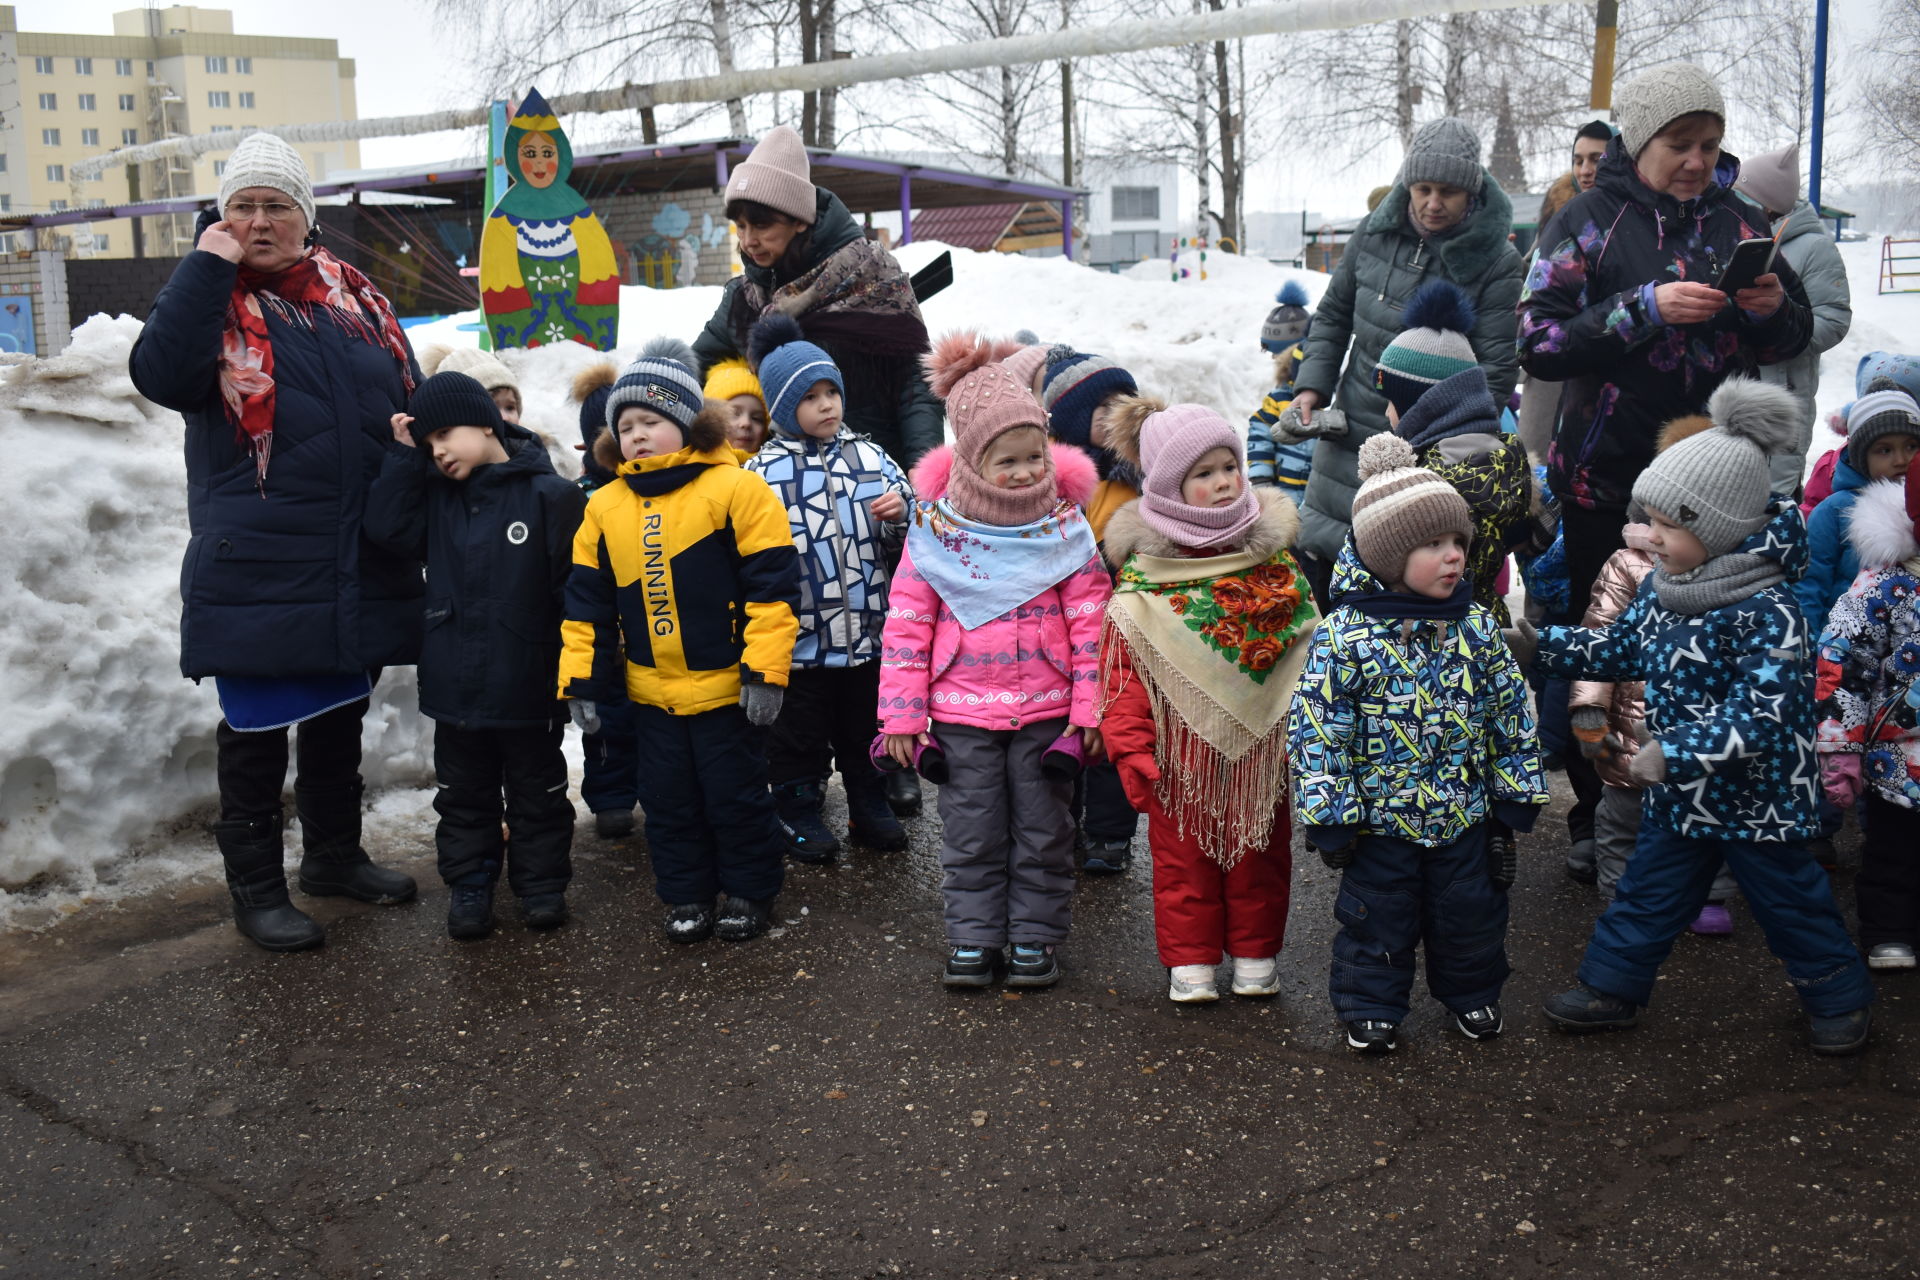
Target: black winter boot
pixel 257 879
pixel 903 792
pixel 870 819
pixel 332 863
pixel 798 804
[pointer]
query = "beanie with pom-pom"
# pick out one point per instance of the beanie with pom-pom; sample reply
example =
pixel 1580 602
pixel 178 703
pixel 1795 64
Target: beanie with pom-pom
pixel 662 380
pixel 1400 506
pixel 985 400
pixel 1077 384
pixel 1168 444
pixel 1431 348
pixel 789 366
pixel 1885 410
pixel 1287 323
pixel 1715 484
pixel 591 387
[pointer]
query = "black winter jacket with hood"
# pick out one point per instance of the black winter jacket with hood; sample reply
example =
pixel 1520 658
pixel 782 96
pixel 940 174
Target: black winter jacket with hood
pixel 499 550
pixel 1586 320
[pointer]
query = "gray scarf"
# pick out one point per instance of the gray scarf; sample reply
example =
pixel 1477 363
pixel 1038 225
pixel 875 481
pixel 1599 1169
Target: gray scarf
pixel 1721 581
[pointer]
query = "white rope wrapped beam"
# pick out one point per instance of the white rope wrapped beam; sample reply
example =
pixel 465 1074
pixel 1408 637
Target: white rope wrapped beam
pixel 1045 46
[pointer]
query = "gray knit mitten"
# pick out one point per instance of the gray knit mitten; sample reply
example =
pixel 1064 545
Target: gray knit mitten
pixel 1326 424
pixel 762 702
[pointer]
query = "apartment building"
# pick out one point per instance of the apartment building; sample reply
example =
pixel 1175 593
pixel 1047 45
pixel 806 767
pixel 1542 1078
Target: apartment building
pixel 165 71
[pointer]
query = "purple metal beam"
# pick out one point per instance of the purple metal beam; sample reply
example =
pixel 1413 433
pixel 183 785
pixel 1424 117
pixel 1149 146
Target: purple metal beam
pixel 1066 229
pixel 906 208
pixel 1013 186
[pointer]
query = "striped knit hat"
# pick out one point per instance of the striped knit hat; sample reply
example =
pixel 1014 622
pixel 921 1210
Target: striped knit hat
pixel 662 380
pixel 1885 410
pixel 1433 346
pixel 1401 506
pixel 789 365
pixel 1077 383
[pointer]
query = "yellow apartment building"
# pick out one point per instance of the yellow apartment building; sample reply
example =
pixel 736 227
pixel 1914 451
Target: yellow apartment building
pixel 165 71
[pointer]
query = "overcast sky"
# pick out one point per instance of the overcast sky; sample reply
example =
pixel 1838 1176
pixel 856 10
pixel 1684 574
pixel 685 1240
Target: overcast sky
pixel 388 38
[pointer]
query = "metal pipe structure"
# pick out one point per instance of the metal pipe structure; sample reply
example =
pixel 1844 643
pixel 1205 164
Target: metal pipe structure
pixel 1819 105
pixel 1045 46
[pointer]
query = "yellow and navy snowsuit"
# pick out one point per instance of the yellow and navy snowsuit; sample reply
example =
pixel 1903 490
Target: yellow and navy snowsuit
pixel 685 583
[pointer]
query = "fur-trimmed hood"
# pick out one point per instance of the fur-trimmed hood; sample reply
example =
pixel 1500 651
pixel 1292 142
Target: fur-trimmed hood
pixel 1274 531
pixel 1881 531
pixel 1074 474
pixel 707 432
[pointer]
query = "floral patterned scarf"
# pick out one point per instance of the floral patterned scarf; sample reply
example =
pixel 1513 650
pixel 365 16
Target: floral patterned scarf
pixel 318 282
pixel 859 294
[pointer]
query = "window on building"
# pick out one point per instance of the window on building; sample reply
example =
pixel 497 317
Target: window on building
pixel 56 173
pixel 6 204
pixel 89 137
pixel 100 244
pixel 220 128
pixel 216 64
pixel 89 102
pixel 219 98
pixel 246 99
pixel 123 66
pixel 43 65
pixel 1134 203
pixel 129 137
pixel 243 66
pixel 149 68
pixel 3 162
pixel 127 102
pixel 49 102
pixel 96 203
pixel 83 66
pixel 58 206
pixel 49 137
pixel 219 168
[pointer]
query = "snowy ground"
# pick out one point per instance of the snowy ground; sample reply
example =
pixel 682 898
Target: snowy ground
pixel 106 754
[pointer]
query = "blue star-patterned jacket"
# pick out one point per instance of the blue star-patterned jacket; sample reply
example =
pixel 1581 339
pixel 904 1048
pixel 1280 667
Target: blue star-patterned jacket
pixel 1413 729
pixel 1729 697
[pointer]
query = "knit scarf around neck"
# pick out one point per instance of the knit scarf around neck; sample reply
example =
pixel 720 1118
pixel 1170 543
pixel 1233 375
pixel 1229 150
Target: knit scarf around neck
pixel 981 571
pixel 1203 527
pixel 318 283
pixel 1219 643
pixel 1721 581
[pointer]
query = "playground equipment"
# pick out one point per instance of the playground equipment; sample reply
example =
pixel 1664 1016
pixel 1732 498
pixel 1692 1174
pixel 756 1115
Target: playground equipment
pixel 1196 244
pixel 1895 266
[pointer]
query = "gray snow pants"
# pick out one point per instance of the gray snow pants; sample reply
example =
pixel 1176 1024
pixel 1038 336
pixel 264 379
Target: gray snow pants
pixel 1006 853
pixel 1616 829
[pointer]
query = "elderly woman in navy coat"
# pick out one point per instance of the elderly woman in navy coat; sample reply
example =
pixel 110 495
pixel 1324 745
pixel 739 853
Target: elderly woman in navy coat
pixel 287 364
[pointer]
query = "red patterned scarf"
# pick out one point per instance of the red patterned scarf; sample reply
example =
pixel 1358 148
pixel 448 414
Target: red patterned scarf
pixel 318 282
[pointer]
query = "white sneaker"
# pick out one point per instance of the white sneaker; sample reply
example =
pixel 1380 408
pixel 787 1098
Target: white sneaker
pixel 1192 984
pixel 1256 976
pixel 1888 955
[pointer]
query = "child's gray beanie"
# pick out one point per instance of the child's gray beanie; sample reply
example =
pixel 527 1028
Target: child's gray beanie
pixel 1716 484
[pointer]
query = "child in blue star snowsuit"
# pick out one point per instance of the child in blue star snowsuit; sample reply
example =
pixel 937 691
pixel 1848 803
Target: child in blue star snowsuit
pixel 1728 761
pixel 1279 463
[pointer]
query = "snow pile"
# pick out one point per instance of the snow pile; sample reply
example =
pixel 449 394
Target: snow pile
pixel 104 748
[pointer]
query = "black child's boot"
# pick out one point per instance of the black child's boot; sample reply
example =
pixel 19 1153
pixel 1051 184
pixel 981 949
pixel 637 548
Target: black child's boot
pixel 257 879
pixel 333 863
pixel 870 819
pixel 798 805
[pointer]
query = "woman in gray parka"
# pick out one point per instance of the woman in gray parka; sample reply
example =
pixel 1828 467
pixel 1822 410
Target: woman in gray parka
pixel 1444 219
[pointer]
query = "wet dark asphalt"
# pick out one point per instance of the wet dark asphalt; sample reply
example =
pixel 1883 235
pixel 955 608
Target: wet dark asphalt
pixel 600 1102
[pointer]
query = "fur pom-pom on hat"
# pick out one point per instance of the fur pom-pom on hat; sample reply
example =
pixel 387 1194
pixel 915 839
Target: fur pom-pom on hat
pixel 1382 453
pixel 663 379
pixel 788 366
pixel 1401 505
pixel 1715 484
pixel 1882 525
pixel 596 376
pixel 777 330
pixel 1126 419
pixel 671 349
pixel 1760 412
pixel 955 355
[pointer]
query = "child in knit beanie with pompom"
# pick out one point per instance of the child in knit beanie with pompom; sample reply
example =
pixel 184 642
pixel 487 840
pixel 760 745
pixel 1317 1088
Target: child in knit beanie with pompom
pixel 1285 464
pixel 682 599
pixel 1409 735
pixel 1728 757
pixel 989 679
pixel 1203 642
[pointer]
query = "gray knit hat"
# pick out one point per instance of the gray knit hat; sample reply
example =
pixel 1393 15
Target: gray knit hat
pixel 1654 99
pixel 1885 410
pixel 265 160
pixel 777 173
pixel 662 380
pixel 1446 150
pixel 1400 506
pixel 1772 180
pixel 1716 484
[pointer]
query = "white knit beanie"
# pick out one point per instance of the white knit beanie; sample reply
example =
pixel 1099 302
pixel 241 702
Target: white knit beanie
pixel 1654 99
pixel 777 174
pixel 265 160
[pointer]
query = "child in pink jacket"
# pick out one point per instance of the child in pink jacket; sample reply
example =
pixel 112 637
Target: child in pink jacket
pixel 989 669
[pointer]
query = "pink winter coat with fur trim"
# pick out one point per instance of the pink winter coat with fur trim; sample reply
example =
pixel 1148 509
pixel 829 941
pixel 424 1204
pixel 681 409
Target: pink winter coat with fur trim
pixel 1040 661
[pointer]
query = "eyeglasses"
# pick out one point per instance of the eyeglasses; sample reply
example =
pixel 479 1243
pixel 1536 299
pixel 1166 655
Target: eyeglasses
pixel 243 211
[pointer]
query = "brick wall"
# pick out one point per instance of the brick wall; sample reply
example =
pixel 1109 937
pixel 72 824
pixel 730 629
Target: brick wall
pixel 115 285
pixel 39 275
pixel 639 226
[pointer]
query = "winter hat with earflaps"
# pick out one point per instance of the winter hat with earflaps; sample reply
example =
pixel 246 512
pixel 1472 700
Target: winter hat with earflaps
pixel 1772 180
pixel 662 380
pixel 1445 150
pixel 1716 484
pixel 1654 99
pixel 1399 506
pixel 1288 322
pixel 788 366
pixel 985 400
pixel 1885 410
pixel 1431 348
pixel 777 173
pixel 265 160
pixel 1164 442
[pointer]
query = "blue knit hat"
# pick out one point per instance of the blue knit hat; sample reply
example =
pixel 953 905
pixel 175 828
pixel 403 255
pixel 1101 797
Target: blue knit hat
pixel 1076 384
pixel 788 366
pixel 664 380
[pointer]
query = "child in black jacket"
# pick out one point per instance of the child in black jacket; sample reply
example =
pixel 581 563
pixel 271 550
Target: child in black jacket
pixel 495 525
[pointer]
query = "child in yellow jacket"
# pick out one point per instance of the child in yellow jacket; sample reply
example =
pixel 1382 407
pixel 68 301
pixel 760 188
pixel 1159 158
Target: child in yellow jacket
pixel 684 592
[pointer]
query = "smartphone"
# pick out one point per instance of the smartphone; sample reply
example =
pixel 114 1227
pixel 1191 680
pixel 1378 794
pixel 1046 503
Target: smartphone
pixel 1751 259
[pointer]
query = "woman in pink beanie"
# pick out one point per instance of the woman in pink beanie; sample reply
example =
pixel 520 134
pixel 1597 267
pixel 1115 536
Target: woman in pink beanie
pixel 989 662
pixel 1198 660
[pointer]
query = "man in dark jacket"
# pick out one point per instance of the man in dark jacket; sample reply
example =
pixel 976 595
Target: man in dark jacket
pixel 496 527
pixel 286 364
pixel 806 256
